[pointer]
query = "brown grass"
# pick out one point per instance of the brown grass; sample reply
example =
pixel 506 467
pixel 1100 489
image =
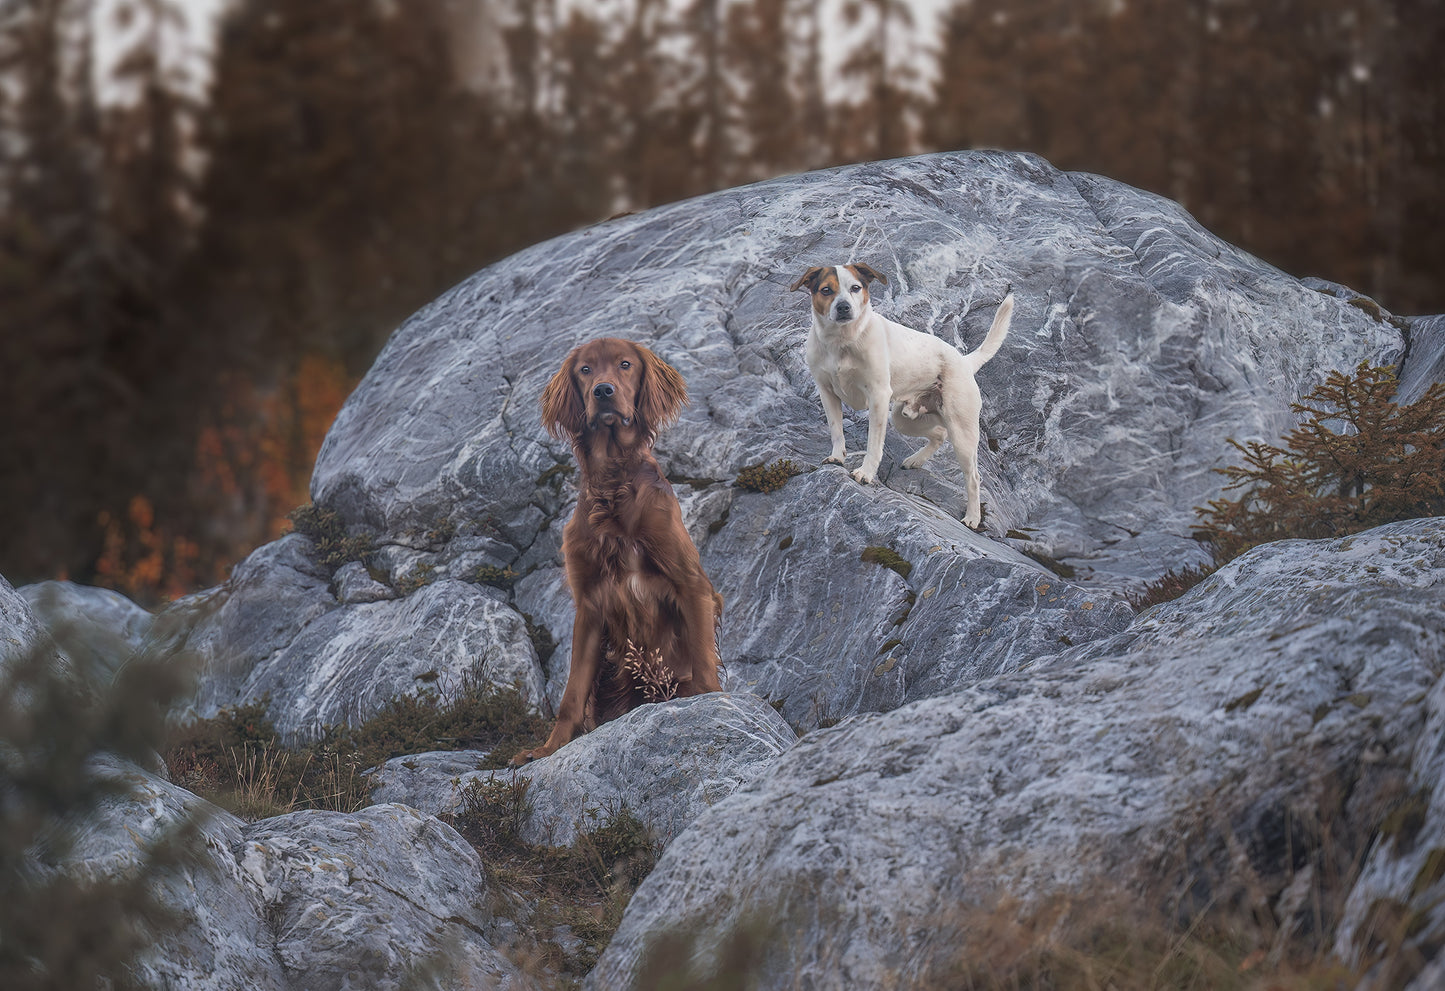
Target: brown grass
pixel 567 901
pixel 237 760
pixel 1171 585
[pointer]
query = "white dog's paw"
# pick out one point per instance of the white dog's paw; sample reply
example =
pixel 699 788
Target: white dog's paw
pixel 915 460
pixel 972 520
pixel 834 459
pixel 863 476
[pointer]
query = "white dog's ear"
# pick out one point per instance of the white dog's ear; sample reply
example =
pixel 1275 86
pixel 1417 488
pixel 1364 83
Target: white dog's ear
pixel 869 274
pixel 808 280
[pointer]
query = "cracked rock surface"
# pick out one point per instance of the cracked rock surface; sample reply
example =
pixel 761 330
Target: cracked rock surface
pixel 666 763
pixel 1140 343
pixel 978 710
pixel 1298 686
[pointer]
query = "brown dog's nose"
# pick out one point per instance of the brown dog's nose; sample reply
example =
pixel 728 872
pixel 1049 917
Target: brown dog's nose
pixel 604 390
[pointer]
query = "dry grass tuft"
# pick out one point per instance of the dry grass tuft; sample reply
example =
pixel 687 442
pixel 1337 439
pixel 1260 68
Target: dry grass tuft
pixel 237 760
pixel 649 672
pixel 567 901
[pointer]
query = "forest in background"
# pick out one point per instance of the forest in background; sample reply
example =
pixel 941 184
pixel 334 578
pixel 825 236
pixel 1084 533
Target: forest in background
pixel 191 281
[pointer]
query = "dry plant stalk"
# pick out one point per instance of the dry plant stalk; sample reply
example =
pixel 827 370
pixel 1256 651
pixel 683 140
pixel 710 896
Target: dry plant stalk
pixel 649 672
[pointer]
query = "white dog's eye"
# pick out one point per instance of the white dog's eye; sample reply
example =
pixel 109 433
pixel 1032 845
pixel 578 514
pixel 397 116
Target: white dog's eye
pixel 626 364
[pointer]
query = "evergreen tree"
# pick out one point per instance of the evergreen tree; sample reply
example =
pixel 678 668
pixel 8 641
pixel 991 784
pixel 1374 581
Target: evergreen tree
pixel 768 120
pixel 87 238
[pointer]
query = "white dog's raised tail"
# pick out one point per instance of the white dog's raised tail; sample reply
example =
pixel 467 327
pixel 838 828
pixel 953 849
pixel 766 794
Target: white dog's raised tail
pixel 996 333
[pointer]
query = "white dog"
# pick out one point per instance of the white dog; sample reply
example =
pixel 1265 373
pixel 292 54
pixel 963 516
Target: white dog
pixel 867 361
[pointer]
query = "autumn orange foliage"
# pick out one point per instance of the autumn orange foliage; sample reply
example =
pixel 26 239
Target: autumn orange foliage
pixel 252 465
pixel 145 562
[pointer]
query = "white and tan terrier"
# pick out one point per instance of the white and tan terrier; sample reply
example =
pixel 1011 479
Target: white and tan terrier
pixel 859 357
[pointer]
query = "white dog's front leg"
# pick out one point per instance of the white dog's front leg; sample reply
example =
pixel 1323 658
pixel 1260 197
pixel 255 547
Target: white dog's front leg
pixel 877 431
pixel 833 407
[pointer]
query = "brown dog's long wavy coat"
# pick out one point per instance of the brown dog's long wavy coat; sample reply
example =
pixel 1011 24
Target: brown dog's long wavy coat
pixel 647 616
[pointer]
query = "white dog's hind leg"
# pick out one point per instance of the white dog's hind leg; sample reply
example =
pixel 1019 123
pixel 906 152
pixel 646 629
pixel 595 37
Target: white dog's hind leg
pixel 963 434
pixel 926 425
pixel 920 457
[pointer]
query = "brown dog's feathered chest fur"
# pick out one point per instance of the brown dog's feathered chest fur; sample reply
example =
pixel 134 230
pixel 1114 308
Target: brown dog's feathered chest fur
pixel 617 509
pixel 613 512
pixel 612 553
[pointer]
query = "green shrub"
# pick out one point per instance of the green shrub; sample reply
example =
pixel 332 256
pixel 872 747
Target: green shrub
pixel 57 930
pixel 419 577
pixel 327 530
pixel 887 557
pixel 1384 463
pixel 487 574
pixel 1170 586
pixel 584 887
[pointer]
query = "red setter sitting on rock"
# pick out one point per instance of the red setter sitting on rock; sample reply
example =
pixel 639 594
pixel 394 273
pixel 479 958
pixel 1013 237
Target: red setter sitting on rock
pixel 647 616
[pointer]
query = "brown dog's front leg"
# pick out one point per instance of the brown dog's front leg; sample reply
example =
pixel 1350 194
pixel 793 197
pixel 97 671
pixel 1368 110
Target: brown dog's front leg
pixel 700 616
pixel 586 648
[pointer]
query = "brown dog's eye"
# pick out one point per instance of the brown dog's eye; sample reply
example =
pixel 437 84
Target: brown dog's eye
pixel 626 364
pixel 825 291
pixel 585 370
pixel 856 288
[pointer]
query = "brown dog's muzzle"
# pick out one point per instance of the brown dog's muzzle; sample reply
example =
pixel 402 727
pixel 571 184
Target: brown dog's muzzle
pixel 603 406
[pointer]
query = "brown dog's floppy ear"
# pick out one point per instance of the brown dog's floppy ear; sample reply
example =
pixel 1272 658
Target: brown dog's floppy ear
pixel 662 394
pixel 808 279
pixel 563 414
pixel 869 274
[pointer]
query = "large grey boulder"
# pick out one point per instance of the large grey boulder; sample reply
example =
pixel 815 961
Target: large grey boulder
pixel 826 633
pixel 220 939
pixel 666 763
pixel 345 665
pixel 313 900
pixel 387 897
pixel 21 634
pixel 1296 688
pixel 1425 363
pixel 96 627
pixel 277 630
pixel 1140 343
pixel 310 900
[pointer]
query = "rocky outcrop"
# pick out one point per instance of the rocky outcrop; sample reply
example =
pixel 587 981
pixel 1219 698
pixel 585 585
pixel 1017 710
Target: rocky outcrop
pixel 1297 687
pixel 981 711
pixel 383 897
pixel 96 627
pixel 666 763
pixel 313 900
pixel 277 630
pixel 1140 343
pixel 1425 363
pixel 20 631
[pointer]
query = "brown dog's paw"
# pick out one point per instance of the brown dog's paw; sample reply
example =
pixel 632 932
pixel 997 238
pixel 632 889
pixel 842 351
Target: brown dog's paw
pixel 524 757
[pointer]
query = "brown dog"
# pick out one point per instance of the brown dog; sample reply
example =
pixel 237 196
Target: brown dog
pixel 647 616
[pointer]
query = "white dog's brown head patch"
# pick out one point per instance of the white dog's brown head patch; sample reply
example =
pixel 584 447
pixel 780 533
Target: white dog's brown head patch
pixel 840 292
